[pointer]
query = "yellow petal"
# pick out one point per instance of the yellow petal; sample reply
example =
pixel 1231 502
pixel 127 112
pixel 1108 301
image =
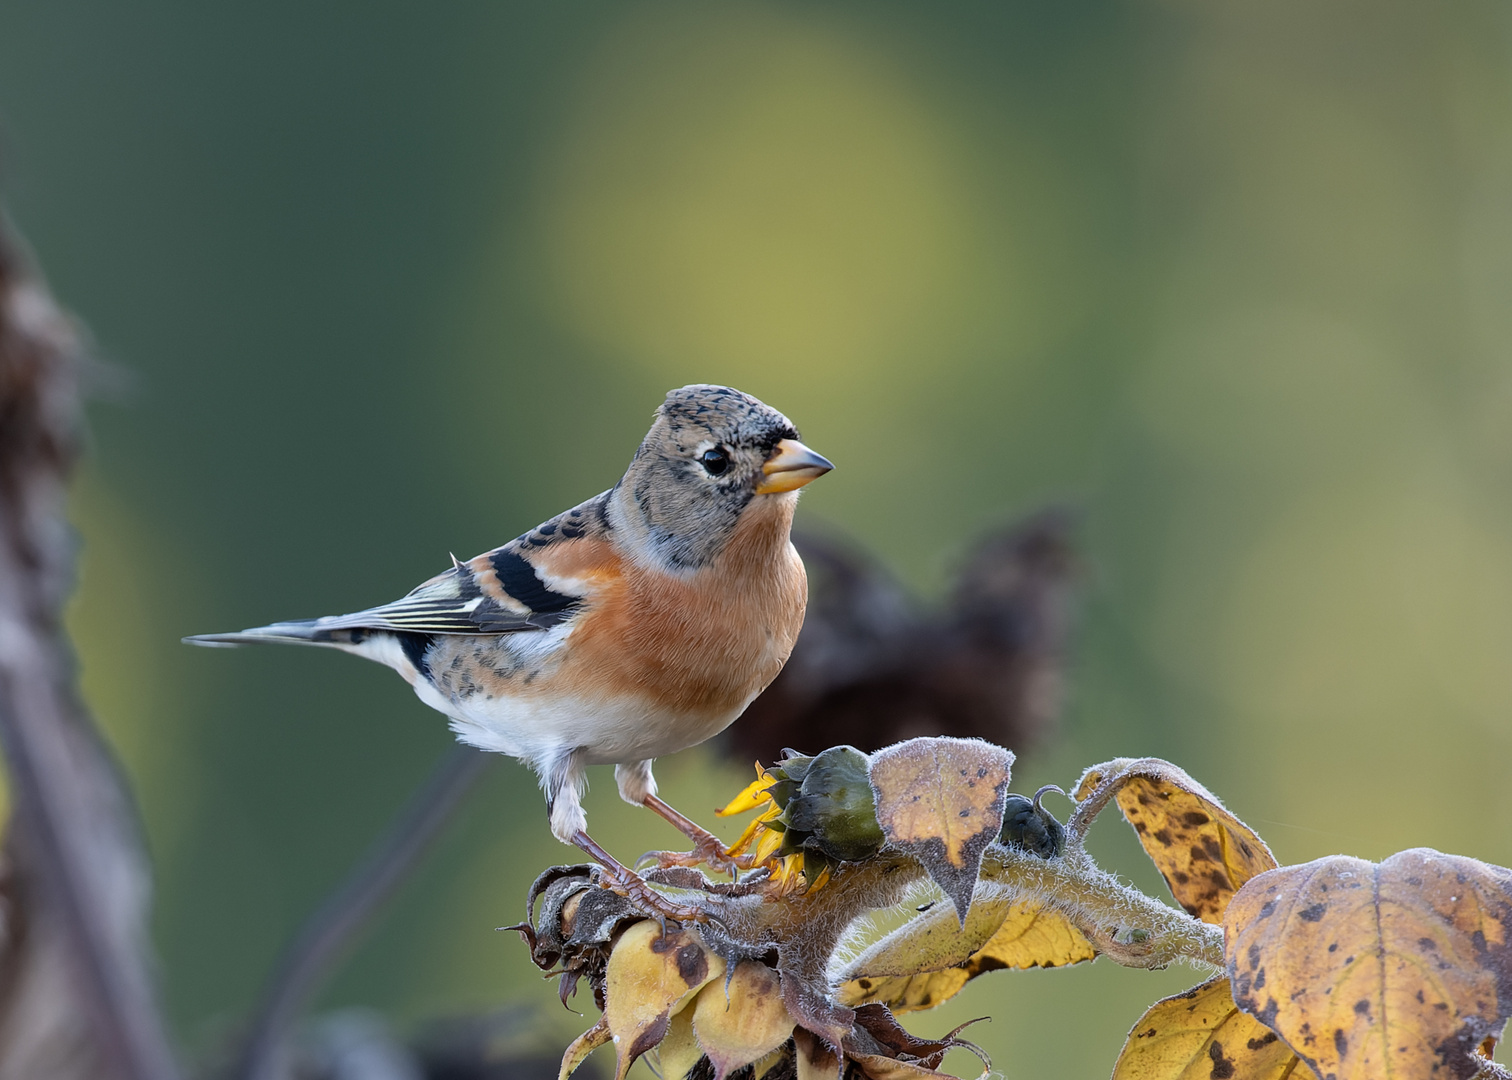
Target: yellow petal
pixel 753 796
pixel 767 846
pixel 739 847
pixel 788 873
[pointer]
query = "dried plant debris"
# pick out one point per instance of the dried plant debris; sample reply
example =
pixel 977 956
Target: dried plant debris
pixel 1342 969
pixel 669 990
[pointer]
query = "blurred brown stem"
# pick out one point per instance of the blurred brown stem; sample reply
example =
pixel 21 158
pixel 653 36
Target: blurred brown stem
pixel 77 873
pixel 325 936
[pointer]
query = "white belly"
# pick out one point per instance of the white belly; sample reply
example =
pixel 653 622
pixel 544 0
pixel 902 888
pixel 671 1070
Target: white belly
pixel 541 729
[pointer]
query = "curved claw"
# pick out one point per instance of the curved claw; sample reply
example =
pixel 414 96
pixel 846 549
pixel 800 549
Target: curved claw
pixel 633 887
pixel 707 851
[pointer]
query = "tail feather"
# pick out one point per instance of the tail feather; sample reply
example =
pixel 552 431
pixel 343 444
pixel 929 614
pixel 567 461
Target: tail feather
pixel 301 632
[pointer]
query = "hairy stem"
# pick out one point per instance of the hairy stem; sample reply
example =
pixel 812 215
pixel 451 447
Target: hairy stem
pixel 1127 926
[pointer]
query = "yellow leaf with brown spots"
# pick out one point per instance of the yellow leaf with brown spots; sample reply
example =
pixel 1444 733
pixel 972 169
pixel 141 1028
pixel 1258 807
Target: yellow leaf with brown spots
pixel 1204 852
pixel 651 976
pixel 1386 971
pixel 741 1020
pixel 1202 1034
pixel 929 959
pixel 941 799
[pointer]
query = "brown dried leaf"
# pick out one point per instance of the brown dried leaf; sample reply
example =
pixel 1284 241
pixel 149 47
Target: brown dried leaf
pixel 888 1051
pixel 651 976
pixel 743 1019
pixel 1396 969
pixel 928 960
pixel 1204 852
pixel 881 1067
pixel 941 800
pixel 1202 1034
pixel 582 1046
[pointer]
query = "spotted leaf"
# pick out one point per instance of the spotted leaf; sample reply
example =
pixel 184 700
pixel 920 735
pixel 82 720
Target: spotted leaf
pixel 928 959
pixel 1201 1034
pixel 1204 852
pixel 1394 969
pixel 941 799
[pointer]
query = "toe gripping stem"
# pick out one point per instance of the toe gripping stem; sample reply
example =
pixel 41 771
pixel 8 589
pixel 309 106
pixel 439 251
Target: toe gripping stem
pixel 627 883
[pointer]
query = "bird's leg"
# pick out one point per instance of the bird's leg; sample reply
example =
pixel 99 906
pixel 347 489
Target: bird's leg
pixel 563 779
pixel 708 849
pixel 638 787
pixel 619 878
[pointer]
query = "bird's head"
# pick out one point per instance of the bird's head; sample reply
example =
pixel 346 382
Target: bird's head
pixel 712 454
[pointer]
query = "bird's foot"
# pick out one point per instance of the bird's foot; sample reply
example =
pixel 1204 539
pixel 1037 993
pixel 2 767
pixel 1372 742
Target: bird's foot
pixel 625 882
pixel 619 878
pixel 708 851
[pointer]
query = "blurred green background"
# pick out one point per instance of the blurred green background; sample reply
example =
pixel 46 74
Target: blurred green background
pixel 396 280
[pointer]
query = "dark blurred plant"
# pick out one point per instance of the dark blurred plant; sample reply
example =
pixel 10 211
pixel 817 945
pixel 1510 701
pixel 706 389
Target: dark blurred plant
pixel 874 666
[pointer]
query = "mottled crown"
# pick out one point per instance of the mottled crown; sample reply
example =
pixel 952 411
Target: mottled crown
pixel 730 416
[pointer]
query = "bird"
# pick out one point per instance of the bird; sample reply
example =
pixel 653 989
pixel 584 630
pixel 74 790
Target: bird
pixel 634 625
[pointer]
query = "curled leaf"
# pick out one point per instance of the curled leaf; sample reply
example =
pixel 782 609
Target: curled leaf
pixel 933 939
pixel 941 800
pixel 1202 1034
pixel 886 1051
pixel 1400 968
pixel 928 960
pixel 651 976
pixel 582 1046
pixel 741 1020
pixel 1204 852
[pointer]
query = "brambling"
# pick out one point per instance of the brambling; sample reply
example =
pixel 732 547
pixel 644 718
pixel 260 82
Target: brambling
pixel 636 624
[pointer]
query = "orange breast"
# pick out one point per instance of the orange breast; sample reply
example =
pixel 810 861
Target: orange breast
pixel 702 645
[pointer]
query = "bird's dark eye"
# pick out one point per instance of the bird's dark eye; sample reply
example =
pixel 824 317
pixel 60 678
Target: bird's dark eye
pixel 715 461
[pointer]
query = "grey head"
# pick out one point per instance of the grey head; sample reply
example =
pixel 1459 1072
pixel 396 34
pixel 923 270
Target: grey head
pixel 711 451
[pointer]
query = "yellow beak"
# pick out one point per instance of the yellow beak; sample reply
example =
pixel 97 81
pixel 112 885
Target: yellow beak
pixel 790 467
